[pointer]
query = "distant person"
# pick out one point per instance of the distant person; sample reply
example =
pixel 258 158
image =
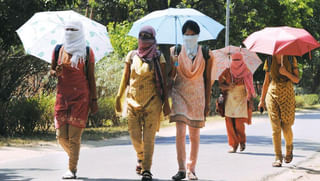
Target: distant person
pixel 193 77
pixel 281 72
pixel 76 92
pixel 237 82
pixel 146 98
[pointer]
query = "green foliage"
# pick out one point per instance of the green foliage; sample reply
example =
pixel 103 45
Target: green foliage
pixel 46 104
pixel 24 113
pixel 307 100
pixel 311 99
pixel 299 101
pixel 108 75
pixel 106 115
pixel 120 40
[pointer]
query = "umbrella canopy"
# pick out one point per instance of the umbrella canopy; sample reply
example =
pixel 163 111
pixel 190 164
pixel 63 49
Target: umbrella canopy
pixel 223 58
pixel 281 40
pixel 44 30
pixel 168 25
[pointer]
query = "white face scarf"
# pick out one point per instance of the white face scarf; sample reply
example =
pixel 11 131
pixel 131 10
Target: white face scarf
pixel 190 42
pixel 75 43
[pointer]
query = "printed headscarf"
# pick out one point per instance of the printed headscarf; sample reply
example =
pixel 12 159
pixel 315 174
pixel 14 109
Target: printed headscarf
pixel 74 42
pixel 147 47
pixel 239 69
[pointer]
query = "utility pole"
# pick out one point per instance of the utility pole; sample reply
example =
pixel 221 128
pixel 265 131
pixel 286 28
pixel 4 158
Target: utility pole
pixel 227 23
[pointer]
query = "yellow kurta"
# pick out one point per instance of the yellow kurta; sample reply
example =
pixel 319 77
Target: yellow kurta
pixel 142 85
pixel 144 108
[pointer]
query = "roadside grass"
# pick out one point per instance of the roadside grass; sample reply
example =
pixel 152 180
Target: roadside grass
pixel 96 134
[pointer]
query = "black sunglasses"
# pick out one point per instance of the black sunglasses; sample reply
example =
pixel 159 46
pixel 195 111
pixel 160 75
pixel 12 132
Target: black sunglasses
pixel 71 29
pixel 145 35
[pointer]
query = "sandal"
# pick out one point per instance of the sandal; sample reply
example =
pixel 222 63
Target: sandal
pixel 233 149
pixel 277 163
pixel 242 146
pixel 192 176
pixel 139 167
pixel 179 176
pixel 146 176
pixel 289 156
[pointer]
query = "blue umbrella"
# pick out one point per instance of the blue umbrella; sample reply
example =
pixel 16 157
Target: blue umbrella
pixel 168 24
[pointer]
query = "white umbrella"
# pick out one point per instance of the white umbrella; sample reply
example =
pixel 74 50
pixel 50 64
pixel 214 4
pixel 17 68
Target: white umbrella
pixel 168 24
pixel 44 30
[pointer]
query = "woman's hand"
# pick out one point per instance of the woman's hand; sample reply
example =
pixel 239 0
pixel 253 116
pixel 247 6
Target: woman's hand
pixel 283 70
pixel 262 105
pixel 166 108
pixel 58 70
pixel 118 104
pixel 93 106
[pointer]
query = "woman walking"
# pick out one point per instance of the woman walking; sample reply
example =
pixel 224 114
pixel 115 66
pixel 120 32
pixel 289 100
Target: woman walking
pixel 193 77
pixel 237 82
pixel 281 72
pixel 76 92
pixel 144 76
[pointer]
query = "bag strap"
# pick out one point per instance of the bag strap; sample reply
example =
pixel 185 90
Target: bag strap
pixel 205 52
pixel 56 52
pixel 86 66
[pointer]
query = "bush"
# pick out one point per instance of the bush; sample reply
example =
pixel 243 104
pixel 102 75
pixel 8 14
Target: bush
pixel 23 115
pixel 106 115
pixel 311 99
pixel 108 74
pixel 299 101
pixel 307 100
pixel 46 104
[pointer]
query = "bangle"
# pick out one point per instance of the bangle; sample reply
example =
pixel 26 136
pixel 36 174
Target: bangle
pixel 94 99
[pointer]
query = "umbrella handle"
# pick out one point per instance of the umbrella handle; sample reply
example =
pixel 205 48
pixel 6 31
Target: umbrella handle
pixel 281 60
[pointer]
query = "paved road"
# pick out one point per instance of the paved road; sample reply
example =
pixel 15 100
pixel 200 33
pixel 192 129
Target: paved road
pixel 114 160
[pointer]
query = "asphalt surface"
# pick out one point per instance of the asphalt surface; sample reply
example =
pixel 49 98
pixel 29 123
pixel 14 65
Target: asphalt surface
pixel 114 160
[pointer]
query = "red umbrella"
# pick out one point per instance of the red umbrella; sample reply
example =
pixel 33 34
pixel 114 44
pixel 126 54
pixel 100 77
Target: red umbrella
pixel 281 40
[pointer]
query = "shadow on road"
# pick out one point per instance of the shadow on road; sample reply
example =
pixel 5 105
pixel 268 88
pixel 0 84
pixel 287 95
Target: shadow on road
pixel 13 174
pixel 112 179
pixel 215 139
pixel 308 116
pixel 308 170
pixel 264 154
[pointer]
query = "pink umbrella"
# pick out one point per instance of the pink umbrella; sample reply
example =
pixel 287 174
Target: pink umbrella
pixel 281 40
pixel 223 58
